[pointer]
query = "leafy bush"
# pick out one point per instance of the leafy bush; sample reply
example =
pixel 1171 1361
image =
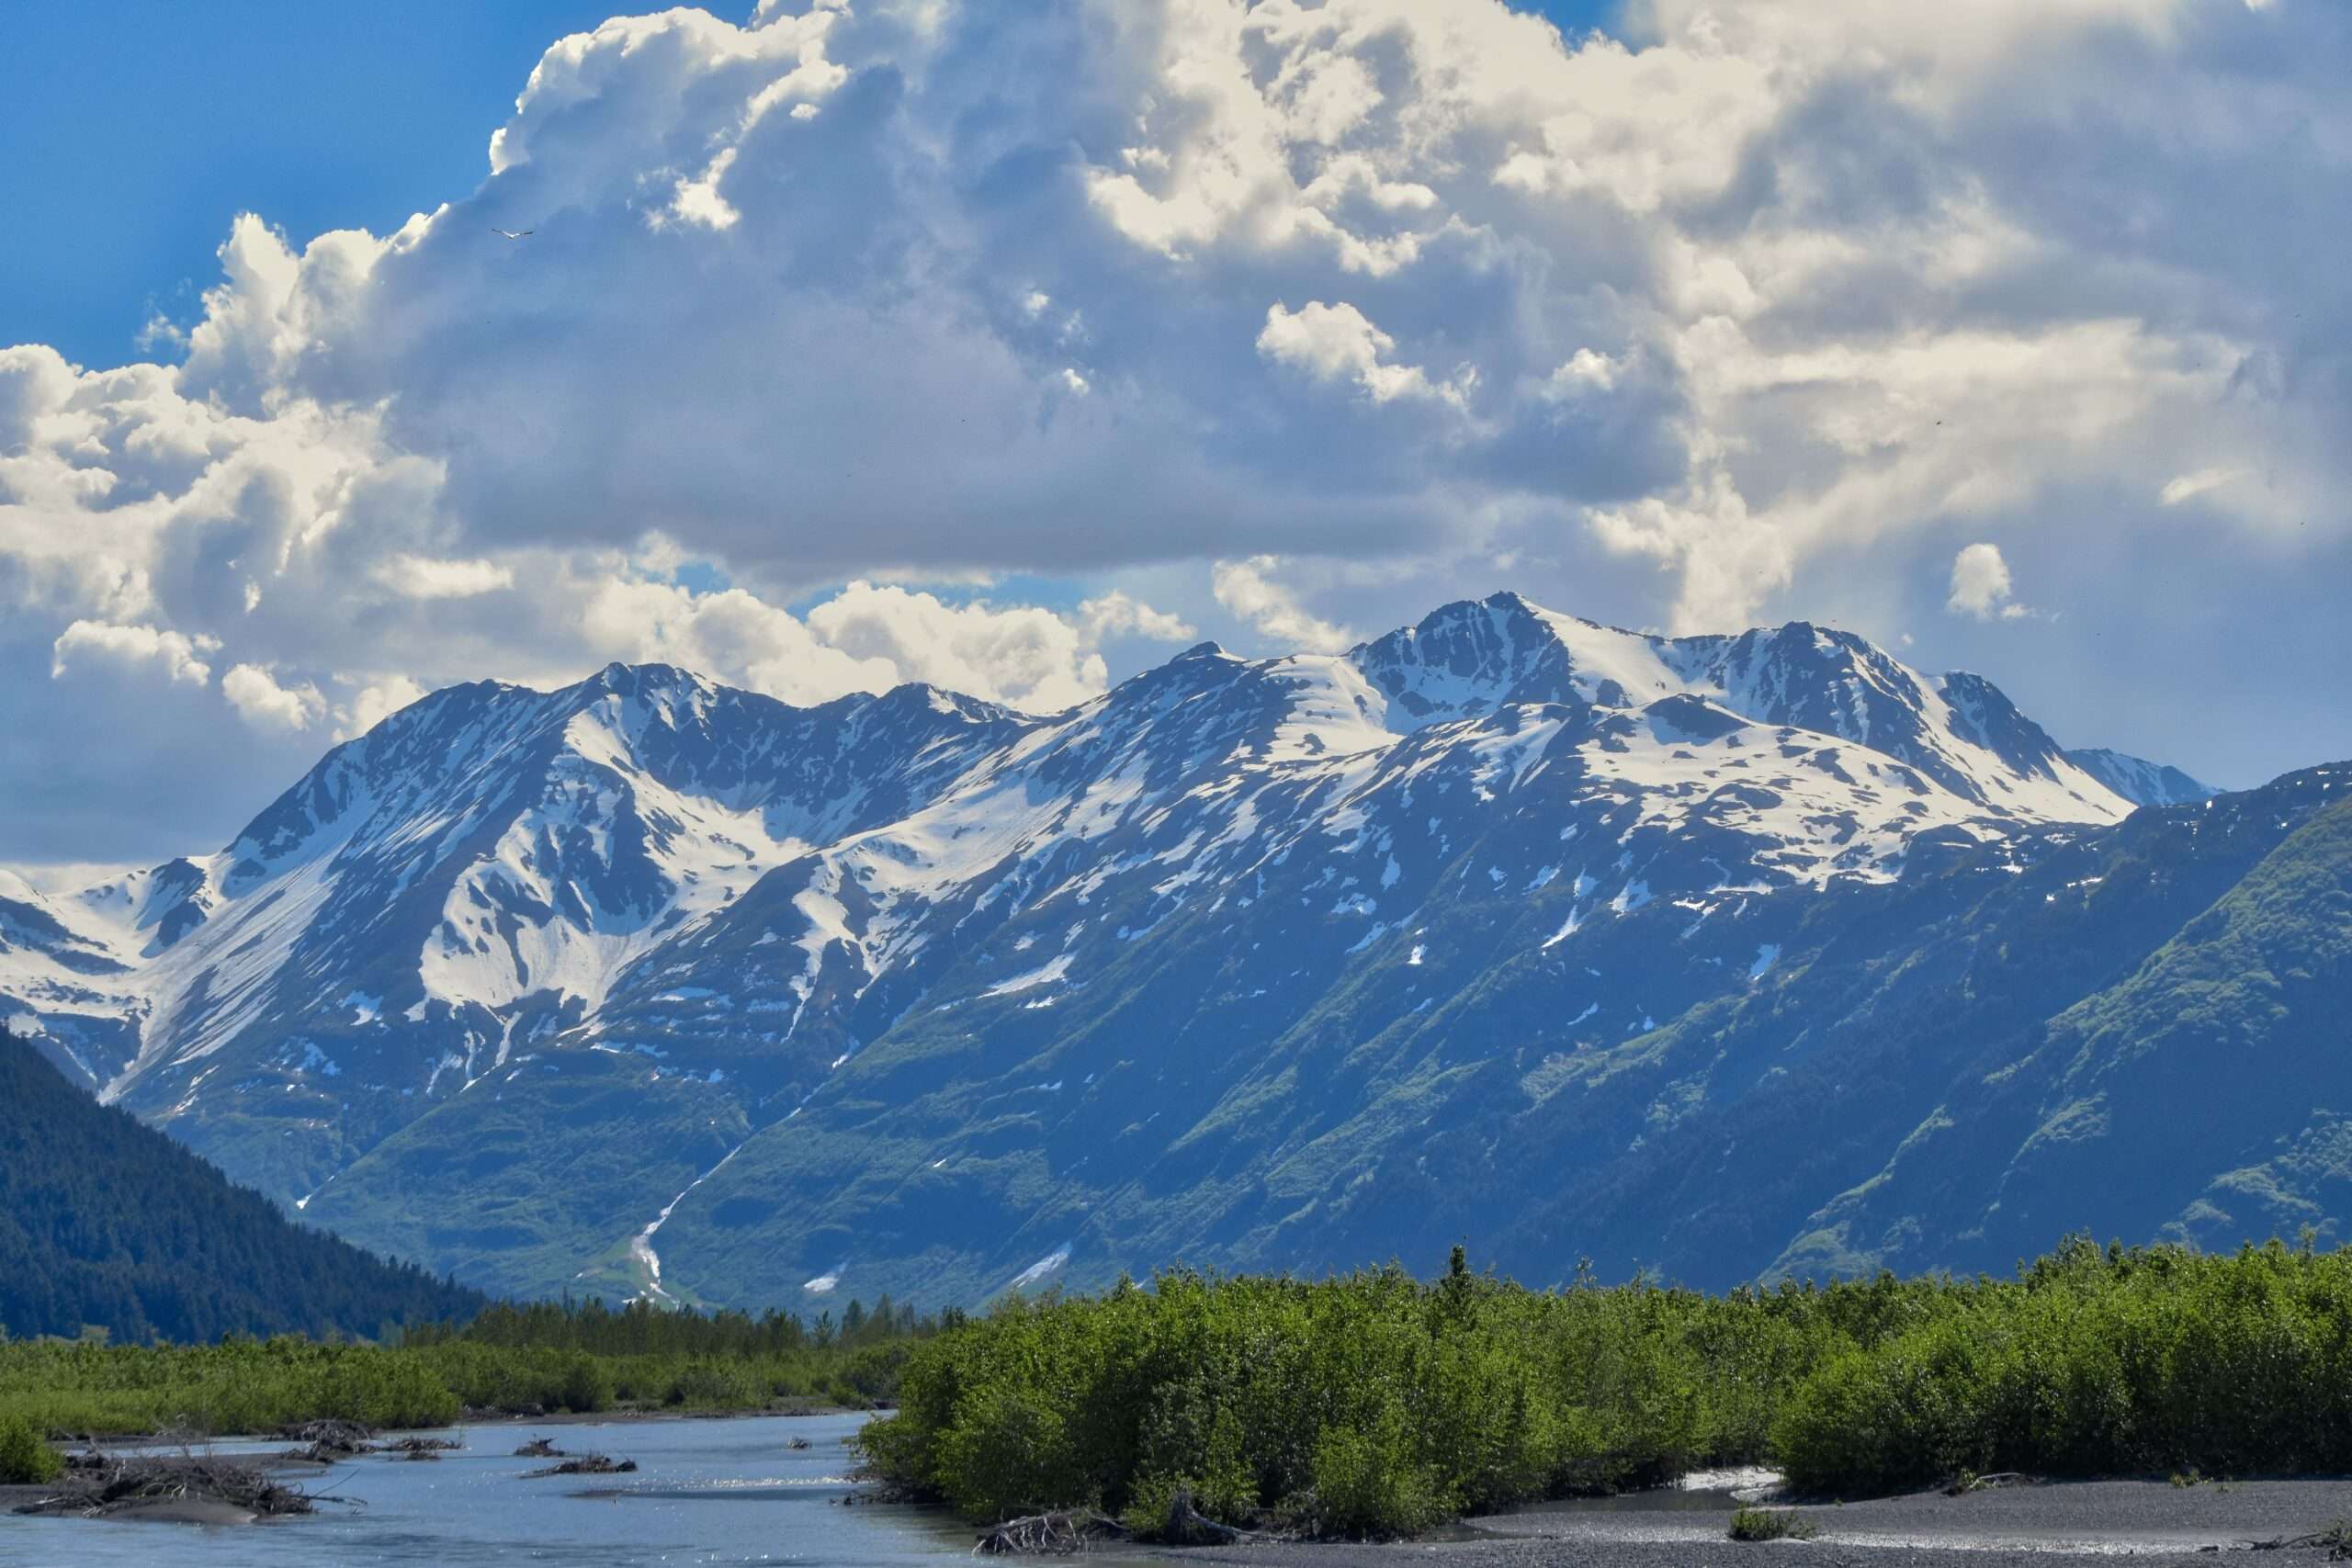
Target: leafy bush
pixel 1771 1524
pixel 1375 1405
pixel 25 1459
pixel 2095 1363
pixel 587 1384
pixel 1371 1482
pixel 581 1358
pixel 1871 1421
pixel 1008 1454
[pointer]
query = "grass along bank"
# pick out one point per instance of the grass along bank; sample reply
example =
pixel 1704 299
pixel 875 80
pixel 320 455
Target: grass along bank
pixel 1375 1405
pixel 533 1359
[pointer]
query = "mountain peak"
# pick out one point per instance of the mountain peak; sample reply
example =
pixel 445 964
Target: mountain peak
pixel 2138 780
pixel 1471 657
pixel 923 697
pixel 645 680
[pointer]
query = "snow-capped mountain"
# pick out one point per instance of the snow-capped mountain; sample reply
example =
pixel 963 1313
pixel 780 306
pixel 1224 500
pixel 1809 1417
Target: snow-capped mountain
pixel 73 982
pixel 2141 782
pixel 685 923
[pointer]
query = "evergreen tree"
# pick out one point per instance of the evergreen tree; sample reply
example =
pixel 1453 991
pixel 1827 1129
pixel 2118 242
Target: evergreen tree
pixel 112 1230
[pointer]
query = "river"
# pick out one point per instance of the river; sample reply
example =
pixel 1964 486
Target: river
pixel 705 1492
pixel 736 1491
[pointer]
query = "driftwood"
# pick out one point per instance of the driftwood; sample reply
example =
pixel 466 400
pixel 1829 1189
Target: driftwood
pixel 1062 1534
pixel 539 1448
pixel 797 1444
pixel 349 1437
pixel 321 1454
pixel 586 1464
pixel 98 1485
pixel 411 1446
pixel 2336 1539
pixel 328 1442
pixel 1187 1526
pixel 1051 1535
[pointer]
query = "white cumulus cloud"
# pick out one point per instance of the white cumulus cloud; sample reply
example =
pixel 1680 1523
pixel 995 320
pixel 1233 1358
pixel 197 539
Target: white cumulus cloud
pixel 421 577
pixel 1332 342
pixel 861 308
pixel 264 703
pixel 1981 585
pixel 1248 590
pixel 1117 614
pixel 372 702
pixel 171 654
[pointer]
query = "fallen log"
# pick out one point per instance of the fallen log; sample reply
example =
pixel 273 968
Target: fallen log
pixel 1187 1526
pixel 2336 1539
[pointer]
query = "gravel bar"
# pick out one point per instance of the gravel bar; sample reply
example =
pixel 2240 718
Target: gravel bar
pixel 2041 1526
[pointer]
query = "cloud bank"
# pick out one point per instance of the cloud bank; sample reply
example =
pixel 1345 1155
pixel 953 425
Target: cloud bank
pixel 1007 347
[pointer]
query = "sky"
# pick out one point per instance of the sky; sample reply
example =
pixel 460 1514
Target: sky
pixel 1015 347
pixel 136 130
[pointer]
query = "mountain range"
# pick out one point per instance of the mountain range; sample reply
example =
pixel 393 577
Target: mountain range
pixel 1726 956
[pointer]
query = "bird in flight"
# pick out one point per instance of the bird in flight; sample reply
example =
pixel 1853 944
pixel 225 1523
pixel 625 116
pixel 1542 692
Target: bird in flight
pixel 507 234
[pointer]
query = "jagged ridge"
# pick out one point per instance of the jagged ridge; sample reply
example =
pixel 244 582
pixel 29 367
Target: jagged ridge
pixel 646 879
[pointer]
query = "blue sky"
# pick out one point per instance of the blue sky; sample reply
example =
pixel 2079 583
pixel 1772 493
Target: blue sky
pixel 135 133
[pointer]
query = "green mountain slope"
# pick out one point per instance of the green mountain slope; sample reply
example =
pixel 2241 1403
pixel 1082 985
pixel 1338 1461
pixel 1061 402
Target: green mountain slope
pixel 522 1183
pixel 1867 1110
pixel 2203 1096
pixel 106 1221
pixel 1863 1102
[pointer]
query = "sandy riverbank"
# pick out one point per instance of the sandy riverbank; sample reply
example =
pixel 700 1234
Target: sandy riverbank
pixel 173 1511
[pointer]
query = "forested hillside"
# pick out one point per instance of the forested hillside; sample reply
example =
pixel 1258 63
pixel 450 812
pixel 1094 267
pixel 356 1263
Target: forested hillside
pixel 107 1223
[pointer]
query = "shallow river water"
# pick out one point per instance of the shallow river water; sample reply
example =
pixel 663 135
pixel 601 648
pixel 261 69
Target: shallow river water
pixel 705 1492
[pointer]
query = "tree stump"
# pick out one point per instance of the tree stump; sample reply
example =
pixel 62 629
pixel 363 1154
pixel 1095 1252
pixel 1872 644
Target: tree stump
pixel 1187 1526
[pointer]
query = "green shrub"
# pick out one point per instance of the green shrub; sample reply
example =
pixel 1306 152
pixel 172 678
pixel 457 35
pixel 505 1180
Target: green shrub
pixel 577 1356
pixel 1193 1438
pixel 1372 1482
pixel 1911 1412
pixel 25 1459
pixel 716 1385
pixel 1771 1524
pixel 1375 1405
pixel 587 1384
pixel 1009 1454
